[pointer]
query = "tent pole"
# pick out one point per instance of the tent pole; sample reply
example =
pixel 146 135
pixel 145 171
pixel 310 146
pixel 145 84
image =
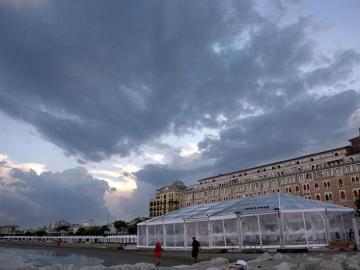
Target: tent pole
pixel 185 235
pixel 328 237
pixel 259 228
pixel 209 232
pixel 164 234
pixel 223 223
pixel 306 234
pixel 282 230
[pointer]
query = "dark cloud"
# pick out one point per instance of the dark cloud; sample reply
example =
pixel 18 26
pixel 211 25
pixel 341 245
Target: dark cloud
pixel 27 198
pixel 99 80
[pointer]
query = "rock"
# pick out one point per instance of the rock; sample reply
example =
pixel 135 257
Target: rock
pixel 264 257
pixel 219 260
pixel 282 266
pixel 341 258
pixel 144 266
pixel 331 265
pixel 95 267
pixel 353 262
pixel 313 260
pixel 121 267
pixel 280 257
pixel 216 268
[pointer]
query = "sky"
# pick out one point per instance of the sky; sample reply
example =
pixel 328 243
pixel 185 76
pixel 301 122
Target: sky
pixel 103 102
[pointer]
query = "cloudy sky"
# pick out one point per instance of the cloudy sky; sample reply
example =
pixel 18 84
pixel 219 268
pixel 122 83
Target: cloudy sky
pixel 103 102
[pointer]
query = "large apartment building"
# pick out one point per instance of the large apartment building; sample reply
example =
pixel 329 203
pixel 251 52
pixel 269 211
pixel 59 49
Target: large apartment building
pixel 167 199
pixel 332 176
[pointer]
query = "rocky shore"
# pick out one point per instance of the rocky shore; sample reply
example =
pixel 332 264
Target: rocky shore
pixel 266 261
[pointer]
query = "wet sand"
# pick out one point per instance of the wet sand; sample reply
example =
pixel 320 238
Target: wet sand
pixel 170 258
pixel 115 257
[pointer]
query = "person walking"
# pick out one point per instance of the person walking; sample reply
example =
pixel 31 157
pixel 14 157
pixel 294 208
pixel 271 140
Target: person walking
pixel 157 252
pixel 195 249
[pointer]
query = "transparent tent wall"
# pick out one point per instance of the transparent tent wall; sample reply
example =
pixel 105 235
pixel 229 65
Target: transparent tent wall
pixel 250 231
pixel 191 232
pixel 270 229
pixel 340 224
pixel 141 232
pixel 294 229
pixel 203 233
pixel 159 234
pixel 315 227
pixel 231 232
pixel 217 233
pixel 151 235
pixel 170 235
pixel 179 234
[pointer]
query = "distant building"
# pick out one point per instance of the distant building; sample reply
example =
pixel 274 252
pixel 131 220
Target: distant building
pixel 167 199
pixel 88 223
pixel 9 229
pixel 53 225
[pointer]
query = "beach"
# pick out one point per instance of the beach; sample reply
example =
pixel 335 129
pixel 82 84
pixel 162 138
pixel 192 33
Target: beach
pixel 29 256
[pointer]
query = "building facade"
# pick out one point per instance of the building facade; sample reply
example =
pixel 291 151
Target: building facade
pixel 167 199
pixel 9 229
pixel 330 176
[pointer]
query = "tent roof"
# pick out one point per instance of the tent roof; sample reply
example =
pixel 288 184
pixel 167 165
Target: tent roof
pixel 283 202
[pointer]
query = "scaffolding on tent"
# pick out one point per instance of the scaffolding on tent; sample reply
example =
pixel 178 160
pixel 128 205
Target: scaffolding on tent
pixel 277 220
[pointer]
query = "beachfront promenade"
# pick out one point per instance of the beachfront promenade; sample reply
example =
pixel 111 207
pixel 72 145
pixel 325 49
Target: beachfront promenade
pixel 119 239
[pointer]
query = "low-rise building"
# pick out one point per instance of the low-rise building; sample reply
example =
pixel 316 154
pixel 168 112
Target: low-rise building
pixel 88 223
pixel 9 229
pixel 167 199
pixel 54 225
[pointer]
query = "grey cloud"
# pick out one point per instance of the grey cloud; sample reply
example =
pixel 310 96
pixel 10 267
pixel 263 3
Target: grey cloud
pixel 339 69
pixel 32 199
pixel 98 80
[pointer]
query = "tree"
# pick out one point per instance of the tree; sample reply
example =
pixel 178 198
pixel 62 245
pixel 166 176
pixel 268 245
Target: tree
pixel 105 228
pixel 40 233
pixel 63 228
pixel 120 225
pixel 132 229
pixel 80 231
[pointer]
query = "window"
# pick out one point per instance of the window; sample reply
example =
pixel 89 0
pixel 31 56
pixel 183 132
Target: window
pixel 316 185
pixel 297 189
pixel 328 196
pixel 342 195
pixel 341 183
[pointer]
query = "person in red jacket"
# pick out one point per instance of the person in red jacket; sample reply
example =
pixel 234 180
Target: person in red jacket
pixel 157 252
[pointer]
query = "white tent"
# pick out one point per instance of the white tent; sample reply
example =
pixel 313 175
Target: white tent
pixel 277 220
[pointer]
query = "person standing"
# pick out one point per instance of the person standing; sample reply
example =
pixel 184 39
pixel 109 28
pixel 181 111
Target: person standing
pixel 195 249
pixel 157 252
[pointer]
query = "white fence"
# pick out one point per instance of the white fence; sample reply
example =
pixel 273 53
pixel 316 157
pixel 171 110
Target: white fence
pixel 119 239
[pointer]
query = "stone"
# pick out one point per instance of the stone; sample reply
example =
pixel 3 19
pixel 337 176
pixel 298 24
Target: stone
pixel 219 260
pixel 264 257
pixel 331 265
pixel 144 266
pixel 282 266
pixel 353 262
pixel 279 257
